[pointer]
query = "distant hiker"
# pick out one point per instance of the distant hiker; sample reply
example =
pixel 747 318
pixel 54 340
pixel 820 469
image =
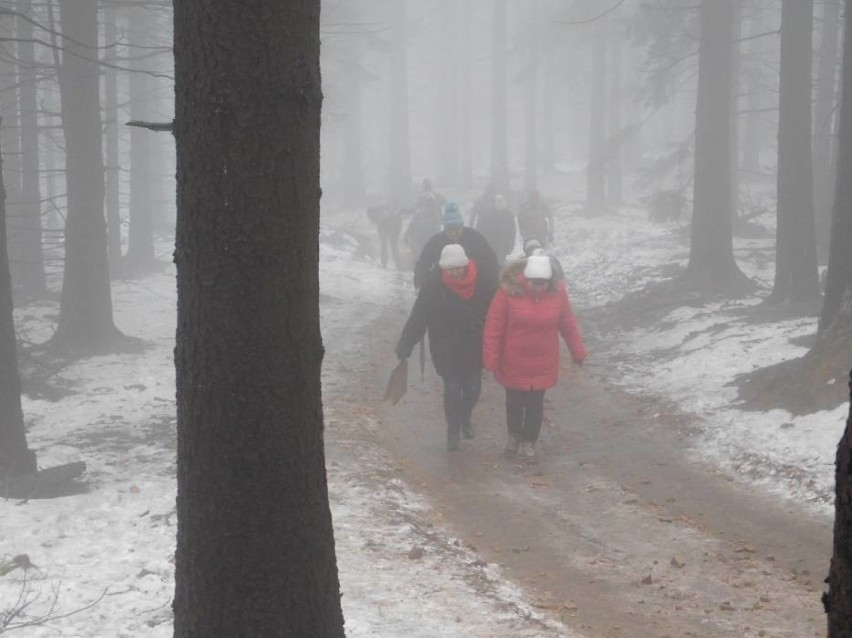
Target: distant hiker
pixel 497 225
pixel 535 219
pixel 474 244
pixel 388 223
pixel 534 246
pixel 451 305
pixel 426 194
pixel 483 202
pixel 521 345
pixel 425 222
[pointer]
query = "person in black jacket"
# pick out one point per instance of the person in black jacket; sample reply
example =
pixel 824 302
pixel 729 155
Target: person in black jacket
pixel 451 305
pixel 474 243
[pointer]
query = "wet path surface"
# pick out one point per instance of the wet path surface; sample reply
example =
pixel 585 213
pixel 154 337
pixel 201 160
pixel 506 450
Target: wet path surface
pixel 616 528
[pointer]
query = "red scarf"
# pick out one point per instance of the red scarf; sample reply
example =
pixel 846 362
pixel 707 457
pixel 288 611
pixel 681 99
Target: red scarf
pixel 465 286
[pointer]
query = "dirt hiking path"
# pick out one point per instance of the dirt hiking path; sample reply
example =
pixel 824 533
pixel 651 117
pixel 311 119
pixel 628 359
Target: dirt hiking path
pixel 616 528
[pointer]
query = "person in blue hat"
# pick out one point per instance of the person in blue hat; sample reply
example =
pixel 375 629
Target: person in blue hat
pixel 475 246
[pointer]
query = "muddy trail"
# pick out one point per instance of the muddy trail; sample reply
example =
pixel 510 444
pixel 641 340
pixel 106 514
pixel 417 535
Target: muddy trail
pixel 616 528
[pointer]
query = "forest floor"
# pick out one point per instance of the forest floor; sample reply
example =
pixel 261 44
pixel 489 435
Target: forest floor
pixel 647 513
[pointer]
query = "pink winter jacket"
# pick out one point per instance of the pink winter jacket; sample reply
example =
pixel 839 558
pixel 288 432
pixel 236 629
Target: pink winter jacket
pixel 521 342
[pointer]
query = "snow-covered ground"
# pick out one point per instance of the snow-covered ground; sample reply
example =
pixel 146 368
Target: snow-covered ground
pixel 107 554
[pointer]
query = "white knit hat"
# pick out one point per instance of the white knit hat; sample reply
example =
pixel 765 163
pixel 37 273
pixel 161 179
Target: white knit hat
pixel 453 256
pixel 538 267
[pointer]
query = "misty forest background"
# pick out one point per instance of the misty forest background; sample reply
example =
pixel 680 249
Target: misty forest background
pixel 705 113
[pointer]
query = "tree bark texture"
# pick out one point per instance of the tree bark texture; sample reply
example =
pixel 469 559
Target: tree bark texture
pixel 85 321
pixel 796 274
pixel 711 258
pixel 838 285
pixel 255 551
pixel 15 457
pixel 31 267
pixel 838 599
pixel 499 62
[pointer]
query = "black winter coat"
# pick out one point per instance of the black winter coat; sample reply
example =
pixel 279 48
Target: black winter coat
pixel 455 325
pixel 475 246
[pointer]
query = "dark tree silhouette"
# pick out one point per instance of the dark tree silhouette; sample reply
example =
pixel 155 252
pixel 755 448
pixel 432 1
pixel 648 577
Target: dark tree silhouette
pixel 15 457
pixel 796 274
pixel 31 266
pixel 85 315
pixel 255 551
pixel 711 257
pixel 837 303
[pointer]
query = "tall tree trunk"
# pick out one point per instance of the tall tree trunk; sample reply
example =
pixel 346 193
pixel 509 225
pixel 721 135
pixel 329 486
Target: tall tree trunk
pixel 736 68
pixel 31 267
pixel 614 179
pixel 547 134
pixel 140 231
pixel 255 549
pixel 711 256
pixel 596 172
pixel 796 274
pixel 399 134
pixel 499 63
pixel 753 125
pixel 838 599
pixel 11 134
pixel 85 315
pixel 531 100
pixel 824 123
pixel 838 285
pixel 447 109
pixel 111 148
pixel 15 457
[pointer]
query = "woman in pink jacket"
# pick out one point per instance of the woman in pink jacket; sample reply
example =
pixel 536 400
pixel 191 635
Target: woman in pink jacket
pixel 521 345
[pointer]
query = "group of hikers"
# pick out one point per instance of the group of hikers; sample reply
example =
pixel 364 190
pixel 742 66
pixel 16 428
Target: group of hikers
pixel 491 215
pixel 484 311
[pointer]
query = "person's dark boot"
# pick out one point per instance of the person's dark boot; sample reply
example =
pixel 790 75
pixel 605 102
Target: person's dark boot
pixel 467 430
pixel 452 439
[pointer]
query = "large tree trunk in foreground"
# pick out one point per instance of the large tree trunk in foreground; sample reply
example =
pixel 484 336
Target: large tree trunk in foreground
pixel 15 457
pixel 838 599
pixel 85 315
pixel 255 551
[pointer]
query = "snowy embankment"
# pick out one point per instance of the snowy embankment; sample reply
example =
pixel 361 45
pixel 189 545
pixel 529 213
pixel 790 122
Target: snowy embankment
pixel 103 560
pixel 692 355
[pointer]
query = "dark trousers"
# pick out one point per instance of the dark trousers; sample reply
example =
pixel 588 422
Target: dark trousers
pixel 524 412
pixel 461 392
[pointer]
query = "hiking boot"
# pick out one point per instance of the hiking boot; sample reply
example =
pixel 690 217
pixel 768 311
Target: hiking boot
pixel 467 430
pixel 527 450
pixel 452 441
pixel 511 448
